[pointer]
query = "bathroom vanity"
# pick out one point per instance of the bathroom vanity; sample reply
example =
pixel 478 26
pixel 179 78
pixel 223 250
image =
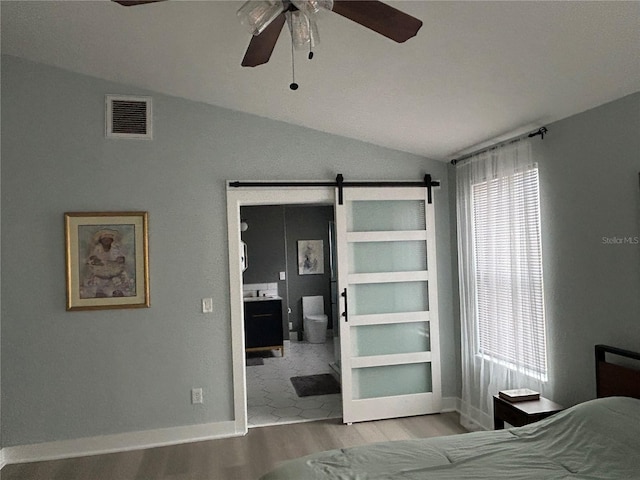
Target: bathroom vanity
pixel 263 324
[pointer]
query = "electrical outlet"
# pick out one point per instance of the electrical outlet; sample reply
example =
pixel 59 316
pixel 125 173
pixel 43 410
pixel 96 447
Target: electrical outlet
pixel 283 276
pixel 196 395
pixel 207 305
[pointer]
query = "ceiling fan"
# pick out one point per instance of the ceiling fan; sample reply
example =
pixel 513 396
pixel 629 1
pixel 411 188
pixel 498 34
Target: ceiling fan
pixel 266 18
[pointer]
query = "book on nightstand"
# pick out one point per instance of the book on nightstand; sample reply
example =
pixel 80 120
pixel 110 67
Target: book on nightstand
pixel 519 395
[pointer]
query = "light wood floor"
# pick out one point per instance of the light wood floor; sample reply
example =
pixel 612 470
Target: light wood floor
pixel 237 458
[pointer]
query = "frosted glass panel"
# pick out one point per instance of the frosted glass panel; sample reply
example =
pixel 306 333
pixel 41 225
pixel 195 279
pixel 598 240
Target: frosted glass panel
pixel 371 298
pixel 386 215
pixel 391 380
pixel 390 338
pixel 374 257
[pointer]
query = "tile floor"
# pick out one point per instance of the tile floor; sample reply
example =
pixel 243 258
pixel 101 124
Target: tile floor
pixel 271 398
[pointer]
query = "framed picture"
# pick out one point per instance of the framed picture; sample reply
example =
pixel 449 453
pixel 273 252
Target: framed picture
pixel 310 257
pixel 107 260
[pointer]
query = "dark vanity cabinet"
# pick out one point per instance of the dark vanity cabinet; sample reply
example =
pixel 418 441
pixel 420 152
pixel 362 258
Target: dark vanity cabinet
pixel 263 325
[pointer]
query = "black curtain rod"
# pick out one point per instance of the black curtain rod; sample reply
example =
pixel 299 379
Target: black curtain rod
pixel 340 183
pixel 541 131
pixel 238 184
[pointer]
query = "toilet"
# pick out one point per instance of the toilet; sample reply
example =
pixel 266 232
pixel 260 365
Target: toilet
pixel 314 319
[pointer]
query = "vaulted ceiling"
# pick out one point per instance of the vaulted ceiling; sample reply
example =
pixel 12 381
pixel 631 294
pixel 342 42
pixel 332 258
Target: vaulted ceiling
pixel 476 70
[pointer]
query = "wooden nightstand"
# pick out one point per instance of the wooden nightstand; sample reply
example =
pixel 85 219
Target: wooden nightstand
pixel 522 413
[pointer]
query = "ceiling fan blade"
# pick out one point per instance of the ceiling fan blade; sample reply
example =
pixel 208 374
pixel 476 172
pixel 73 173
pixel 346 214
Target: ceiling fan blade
pixel 379 17
pixel 131 3
pixel 261 46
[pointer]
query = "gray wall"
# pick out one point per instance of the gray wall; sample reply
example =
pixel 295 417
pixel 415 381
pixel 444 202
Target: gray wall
pixel 588 166
pixel 75 374
pixel 265 244
pixel 307 224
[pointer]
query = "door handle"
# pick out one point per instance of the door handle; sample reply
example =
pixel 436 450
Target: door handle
pixel 346 309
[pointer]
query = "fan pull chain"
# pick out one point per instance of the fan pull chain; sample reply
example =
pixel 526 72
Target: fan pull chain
pixel 293 85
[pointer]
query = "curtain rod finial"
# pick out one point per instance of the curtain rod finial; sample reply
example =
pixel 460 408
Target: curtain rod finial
pixel 541 131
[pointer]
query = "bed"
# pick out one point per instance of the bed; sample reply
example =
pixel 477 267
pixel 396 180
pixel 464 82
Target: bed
pixel 598 439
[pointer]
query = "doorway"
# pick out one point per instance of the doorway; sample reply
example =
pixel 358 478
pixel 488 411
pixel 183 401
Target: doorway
pixel 273 281
pixel 237 198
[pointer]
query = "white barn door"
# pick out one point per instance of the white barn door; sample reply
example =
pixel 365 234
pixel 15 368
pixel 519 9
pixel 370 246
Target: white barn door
pixel 389 336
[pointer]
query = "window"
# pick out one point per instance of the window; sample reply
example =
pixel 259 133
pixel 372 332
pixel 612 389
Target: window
pixel 509 303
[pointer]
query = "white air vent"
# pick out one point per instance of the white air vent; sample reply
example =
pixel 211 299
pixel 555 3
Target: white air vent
pixel 128 117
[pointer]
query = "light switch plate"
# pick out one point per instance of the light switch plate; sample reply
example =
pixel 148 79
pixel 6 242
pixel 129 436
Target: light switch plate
pixel 283 276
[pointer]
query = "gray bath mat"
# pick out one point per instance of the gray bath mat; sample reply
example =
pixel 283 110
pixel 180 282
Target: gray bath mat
pixel 322 384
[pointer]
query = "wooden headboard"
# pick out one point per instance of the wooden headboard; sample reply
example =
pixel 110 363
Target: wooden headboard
pixel 613 379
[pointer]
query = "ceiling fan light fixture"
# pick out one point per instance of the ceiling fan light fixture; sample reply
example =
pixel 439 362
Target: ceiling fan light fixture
pixel 256 15
pixel 304 30
pixel 312 6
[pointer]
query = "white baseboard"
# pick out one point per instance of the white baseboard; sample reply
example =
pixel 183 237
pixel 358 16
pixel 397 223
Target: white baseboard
pixel 450 404
pixel 120 442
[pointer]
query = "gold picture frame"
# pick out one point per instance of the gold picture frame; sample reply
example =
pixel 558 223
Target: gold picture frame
pixel 107 260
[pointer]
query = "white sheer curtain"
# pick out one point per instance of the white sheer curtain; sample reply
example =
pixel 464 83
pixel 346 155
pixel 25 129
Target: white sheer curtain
pixel 500 269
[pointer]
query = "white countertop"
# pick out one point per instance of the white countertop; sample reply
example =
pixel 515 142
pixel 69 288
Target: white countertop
pixel 261 299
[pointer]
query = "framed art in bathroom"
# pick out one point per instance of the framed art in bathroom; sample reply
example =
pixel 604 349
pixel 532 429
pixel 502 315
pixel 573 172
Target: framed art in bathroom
pixel 107 263
pixel 310 257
